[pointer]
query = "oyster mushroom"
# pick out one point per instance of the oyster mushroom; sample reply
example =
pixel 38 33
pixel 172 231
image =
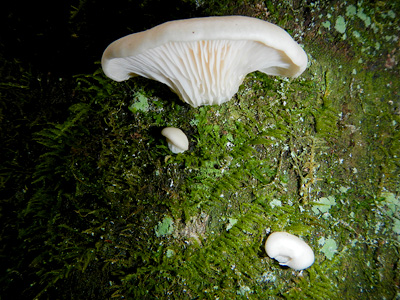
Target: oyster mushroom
pixel 204 60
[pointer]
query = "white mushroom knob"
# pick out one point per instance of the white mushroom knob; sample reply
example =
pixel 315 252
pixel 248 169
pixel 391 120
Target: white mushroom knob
pixel 289 250
pixel 176 139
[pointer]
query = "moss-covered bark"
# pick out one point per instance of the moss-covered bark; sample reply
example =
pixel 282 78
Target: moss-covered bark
pixel 95 206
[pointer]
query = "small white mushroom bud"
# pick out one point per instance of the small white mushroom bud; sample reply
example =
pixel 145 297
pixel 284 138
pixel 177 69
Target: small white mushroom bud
pixel 176 139
pixel 289 250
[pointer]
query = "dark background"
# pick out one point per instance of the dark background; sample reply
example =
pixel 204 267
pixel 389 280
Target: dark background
pixel 68 37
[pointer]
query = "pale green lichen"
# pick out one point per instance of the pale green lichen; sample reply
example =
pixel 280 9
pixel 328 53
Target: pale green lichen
pixel 356 34
pixel 140 104
pixel 267 277
pixel 364 17
pixel 326 24
pixel 351 10
pixel 340 24
pixel 275 203
pixel 243 290
pixel 396 227
pixel 391 14
pixel 329 247
pixel 323 205
pixel 165 227
pixel 169 253
pixel 390 206
pixel 231 223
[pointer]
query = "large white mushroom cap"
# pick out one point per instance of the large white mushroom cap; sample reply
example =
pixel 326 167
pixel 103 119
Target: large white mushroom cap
pixel 289 250
pixel 204 60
